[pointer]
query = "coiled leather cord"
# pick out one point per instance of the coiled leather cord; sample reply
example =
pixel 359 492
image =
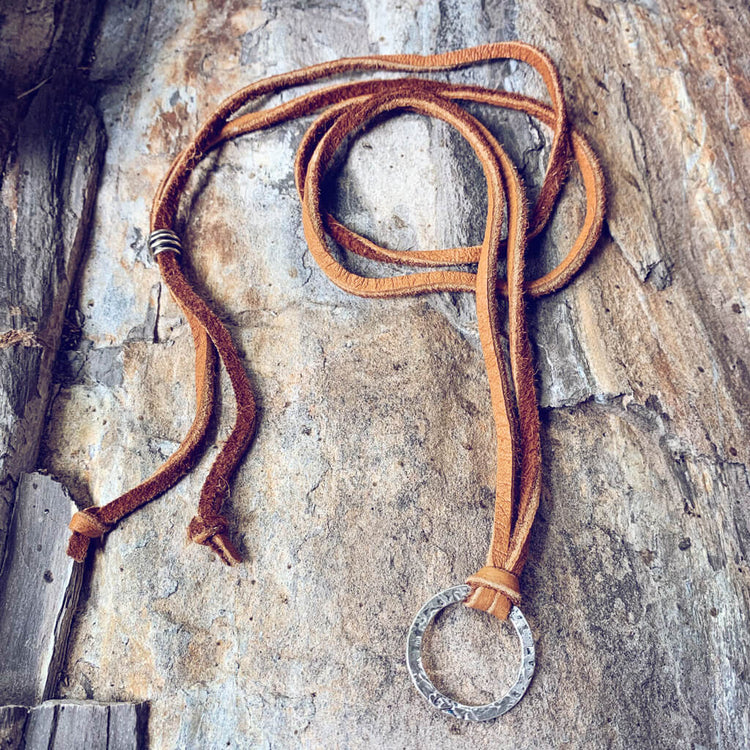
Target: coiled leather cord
pixel 343 109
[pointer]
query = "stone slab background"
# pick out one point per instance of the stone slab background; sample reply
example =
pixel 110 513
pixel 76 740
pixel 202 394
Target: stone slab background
pixel 370 482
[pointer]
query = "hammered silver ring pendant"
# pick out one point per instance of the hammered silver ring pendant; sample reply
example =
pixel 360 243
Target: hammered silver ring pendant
pixel 448 705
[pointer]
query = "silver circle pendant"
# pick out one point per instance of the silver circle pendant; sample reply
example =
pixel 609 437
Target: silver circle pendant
pixel 454 595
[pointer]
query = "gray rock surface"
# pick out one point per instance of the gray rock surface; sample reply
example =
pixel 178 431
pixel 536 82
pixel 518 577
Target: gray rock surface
pixel 370 482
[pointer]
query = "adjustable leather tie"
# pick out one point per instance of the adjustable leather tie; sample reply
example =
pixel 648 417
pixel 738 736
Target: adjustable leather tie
pixel 342 110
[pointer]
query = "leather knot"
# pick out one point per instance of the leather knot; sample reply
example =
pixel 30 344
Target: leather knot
pixel 202 529
pixel 87 523
pixel 494 590
pixel 209 531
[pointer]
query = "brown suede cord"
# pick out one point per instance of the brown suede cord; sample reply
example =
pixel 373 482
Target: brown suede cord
pixel 343 110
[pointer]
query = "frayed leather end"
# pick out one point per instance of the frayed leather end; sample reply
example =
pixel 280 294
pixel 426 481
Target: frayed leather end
pixel 211 533
pixel 78 546
pixel 225 550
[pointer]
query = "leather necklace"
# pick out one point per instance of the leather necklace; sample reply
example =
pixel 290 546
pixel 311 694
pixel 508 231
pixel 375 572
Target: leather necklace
pixel 342 110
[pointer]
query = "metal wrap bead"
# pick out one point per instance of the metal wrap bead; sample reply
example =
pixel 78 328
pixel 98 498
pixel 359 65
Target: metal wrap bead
pixel 163 240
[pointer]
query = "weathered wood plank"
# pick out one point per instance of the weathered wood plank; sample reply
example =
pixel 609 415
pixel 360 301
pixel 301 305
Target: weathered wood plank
pixel 128 726
pixel 64 725
pixel 51 147
pixel 39 587
pixel 79 725
pixel 12 724
pixel 47 194
pixel 39 41
pixel 40 728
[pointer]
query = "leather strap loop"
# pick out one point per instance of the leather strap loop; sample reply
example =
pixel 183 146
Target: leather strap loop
pixel 497 579
pixel 494 590
pixel 341 110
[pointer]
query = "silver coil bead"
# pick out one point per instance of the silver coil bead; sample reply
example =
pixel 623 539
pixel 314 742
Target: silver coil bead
pixel 163 240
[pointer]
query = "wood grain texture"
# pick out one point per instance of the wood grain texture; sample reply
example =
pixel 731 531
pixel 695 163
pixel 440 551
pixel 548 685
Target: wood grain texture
pixel 62 725
pixel 47 194
pixel 369 486
pixel 39 587
pixel 12 723
pixel 51 147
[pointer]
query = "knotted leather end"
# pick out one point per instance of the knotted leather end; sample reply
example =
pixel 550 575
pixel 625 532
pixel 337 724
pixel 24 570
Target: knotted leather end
pixel 210 532
pixel 493 590
pixel 78 546
pixel 85 525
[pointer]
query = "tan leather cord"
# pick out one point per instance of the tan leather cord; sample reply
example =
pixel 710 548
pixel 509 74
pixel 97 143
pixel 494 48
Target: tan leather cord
pixel 343 110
